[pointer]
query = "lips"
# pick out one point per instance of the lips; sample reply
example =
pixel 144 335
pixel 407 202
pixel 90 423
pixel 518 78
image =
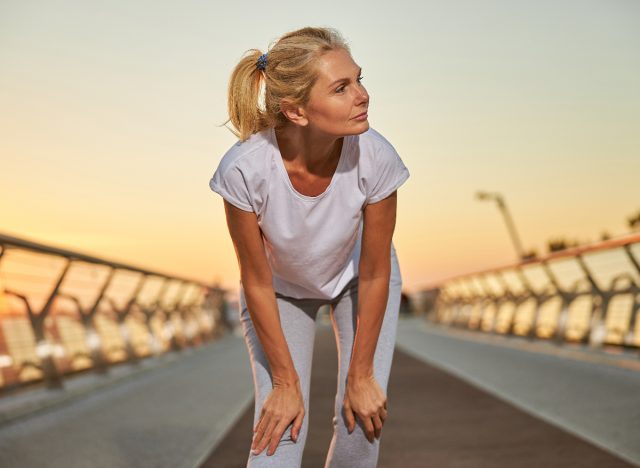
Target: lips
pixel 360 115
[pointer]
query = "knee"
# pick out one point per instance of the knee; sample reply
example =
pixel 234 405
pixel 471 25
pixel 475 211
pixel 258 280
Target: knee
pixel 353 450
pixel 287 440
pixel 288 453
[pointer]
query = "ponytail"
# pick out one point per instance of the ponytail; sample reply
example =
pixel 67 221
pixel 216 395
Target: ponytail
pixel 244 95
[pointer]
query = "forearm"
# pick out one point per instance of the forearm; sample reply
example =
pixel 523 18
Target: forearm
pixel 263 309
pixel 373 293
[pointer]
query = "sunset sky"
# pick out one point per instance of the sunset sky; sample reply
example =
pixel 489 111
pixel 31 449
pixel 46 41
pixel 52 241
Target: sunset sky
pixel 112 111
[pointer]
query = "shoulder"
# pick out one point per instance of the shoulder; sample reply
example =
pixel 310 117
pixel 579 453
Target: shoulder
pixel 243 172
pixel 374 137
pixel 249 156
pixel 380 168
pixel 375 149
pixel 372 144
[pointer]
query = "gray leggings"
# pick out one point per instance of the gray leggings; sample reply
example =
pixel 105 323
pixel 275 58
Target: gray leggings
pixel 297 317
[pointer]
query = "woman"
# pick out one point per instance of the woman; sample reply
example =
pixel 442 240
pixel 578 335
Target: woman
pixel 310 200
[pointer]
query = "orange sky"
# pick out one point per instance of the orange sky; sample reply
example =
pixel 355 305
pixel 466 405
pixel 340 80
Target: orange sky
pixel 110 124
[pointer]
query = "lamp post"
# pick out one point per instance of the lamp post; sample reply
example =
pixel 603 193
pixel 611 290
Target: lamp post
pixel 507 218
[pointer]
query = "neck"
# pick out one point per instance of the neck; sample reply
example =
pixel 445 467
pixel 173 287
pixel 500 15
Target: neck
pixel 307 148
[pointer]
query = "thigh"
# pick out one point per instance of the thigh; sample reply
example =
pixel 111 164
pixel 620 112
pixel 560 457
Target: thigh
pixel 297 318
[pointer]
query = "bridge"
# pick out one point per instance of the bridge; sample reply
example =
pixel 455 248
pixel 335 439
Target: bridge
pixel 104 369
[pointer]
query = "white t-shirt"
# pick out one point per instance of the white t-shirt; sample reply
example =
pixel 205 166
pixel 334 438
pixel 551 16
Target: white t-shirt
pixel 312 243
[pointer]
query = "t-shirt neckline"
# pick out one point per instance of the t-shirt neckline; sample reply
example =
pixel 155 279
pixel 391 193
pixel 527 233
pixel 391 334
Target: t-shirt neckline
pixel 283 169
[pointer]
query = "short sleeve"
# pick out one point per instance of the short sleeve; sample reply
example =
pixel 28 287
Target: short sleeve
pixel 230 183
pixel 388 173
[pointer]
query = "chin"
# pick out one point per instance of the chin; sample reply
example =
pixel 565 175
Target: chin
pixel 361 127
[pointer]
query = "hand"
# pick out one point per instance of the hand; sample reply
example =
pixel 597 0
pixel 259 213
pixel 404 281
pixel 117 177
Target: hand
pixel 364 398
pixel 283 405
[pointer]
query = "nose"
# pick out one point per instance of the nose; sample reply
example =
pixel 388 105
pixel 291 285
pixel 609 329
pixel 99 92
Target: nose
pixel 362 96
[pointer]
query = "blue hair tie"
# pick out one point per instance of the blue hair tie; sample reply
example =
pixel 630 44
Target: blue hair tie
pixel 262 62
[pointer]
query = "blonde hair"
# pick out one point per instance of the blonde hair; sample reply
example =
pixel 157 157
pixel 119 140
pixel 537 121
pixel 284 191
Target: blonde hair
pixel 290 73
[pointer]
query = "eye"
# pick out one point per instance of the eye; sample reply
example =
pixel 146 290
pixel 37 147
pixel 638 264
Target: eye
pixel 341 88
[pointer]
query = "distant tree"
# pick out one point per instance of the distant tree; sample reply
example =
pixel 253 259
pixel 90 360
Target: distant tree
pixel 605 236
pixel 634 221
pixel 530 255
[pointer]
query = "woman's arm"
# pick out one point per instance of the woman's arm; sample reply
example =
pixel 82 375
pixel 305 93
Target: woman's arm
pixel 256 278
pixel 373 283
pixel 363 395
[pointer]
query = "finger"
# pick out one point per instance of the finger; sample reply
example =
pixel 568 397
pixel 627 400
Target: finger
pixel 266 435
pixel 297 425
pixel 276 436
pixel 368 428
pixel 259 431
pixel 255 428
pixel 351 421
pixel 377 426
pixel 383 415
pixel 259 419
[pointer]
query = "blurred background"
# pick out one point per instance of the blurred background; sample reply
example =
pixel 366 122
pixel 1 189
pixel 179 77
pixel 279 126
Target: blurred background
pixel 519 122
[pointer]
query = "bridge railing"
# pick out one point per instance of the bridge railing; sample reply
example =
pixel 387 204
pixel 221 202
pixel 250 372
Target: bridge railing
pixel 588 294
pixel 63 312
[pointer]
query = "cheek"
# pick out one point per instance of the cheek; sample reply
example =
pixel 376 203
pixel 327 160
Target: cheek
pixel 332 110
pixel 340 108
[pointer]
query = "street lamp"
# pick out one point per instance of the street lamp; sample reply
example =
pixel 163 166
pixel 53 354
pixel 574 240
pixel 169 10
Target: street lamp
pixel 480 195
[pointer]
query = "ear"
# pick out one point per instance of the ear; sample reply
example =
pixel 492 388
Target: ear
pixel 293 112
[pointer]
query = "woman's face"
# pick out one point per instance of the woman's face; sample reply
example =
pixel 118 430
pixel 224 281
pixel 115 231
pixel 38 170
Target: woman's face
pixel 338 96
